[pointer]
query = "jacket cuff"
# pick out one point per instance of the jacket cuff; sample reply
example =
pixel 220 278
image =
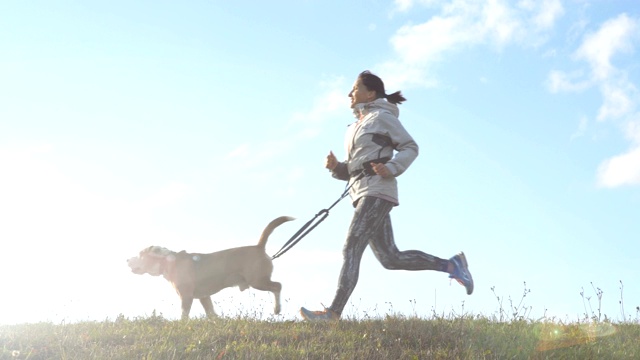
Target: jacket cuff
pixel 340 172
pixel 393 169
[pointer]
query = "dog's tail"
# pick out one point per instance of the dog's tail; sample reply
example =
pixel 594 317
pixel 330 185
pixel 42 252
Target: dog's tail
pixel 269 229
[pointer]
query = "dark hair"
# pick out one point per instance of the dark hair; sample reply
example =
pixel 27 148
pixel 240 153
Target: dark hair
pixel 374 83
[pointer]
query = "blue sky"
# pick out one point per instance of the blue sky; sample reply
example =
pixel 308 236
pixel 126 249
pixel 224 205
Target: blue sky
pixel 192 125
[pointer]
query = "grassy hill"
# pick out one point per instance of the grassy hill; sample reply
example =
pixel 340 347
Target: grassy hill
pixel 393 337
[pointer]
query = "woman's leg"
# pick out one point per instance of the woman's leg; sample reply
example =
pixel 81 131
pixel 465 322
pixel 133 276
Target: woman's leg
pixel 371 225
pixel 367 218
pixel 385 250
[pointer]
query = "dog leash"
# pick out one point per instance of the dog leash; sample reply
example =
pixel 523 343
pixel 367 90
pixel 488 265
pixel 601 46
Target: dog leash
pixel 316 220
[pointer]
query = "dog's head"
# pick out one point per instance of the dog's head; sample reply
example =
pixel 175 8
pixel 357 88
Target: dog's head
pixel 152 261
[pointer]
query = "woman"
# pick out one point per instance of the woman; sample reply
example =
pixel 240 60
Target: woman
pixel 372 166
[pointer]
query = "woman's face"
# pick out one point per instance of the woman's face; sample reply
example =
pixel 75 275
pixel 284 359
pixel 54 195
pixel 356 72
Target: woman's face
pixel 360 94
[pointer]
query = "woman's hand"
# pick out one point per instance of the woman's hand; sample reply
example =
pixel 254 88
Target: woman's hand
pixel 381 169
pixel 331 161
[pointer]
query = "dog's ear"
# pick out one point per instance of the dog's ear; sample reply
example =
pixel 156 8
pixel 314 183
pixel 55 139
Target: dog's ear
pixel 156 251
pixel 147 250
pixel 152 250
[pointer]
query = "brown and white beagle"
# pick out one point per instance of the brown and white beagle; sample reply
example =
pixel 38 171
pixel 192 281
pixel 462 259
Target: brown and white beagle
pixel 198 276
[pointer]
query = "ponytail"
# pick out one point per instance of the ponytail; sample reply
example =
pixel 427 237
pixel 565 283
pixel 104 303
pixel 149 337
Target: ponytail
pixel 395 98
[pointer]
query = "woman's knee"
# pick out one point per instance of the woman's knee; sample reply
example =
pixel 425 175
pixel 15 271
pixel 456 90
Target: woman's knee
pixel 389 263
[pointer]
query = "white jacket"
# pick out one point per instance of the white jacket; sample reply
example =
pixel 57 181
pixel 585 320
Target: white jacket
pixel 364 142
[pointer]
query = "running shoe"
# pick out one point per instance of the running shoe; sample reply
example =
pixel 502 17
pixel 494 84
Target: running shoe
pixel 324 315
pixel 461 272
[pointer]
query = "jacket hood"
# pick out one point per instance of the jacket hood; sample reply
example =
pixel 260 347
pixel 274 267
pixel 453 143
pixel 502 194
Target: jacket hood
pixel 363 109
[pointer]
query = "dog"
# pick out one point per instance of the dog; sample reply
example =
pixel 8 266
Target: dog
pixel 198 276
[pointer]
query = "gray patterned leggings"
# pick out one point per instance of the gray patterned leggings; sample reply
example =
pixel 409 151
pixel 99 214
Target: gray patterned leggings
pixel 371 225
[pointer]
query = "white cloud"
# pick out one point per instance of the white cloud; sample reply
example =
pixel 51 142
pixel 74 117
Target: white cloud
pixel 546 12
pixel 559 81
pixel 613 37
pixel 632 130
pixel 620 97
pixel 500 21
pixel 617 100
pixel 420 46
pixel 404 5
pixel 620 170
pixel 462 24
pixel 424 43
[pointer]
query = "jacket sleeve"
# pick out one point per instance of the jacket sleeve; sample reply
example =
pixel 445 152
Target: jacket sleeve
pixel 340 172
pixel 407 149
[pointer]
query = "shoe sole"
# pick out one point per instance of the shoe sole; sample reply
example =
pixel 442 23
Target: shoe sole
pixel 313 318
pixel 463 259
pixel 304 315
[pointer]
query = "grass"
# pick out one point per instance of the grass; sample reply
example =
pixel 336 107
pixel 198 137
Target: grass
pixel 507 335
pixel 393 337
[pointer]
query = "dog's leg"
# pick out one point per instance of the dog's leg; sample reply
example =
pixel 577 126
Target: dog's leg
pixel 274 287
pixel 208 307
pixel 186 306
